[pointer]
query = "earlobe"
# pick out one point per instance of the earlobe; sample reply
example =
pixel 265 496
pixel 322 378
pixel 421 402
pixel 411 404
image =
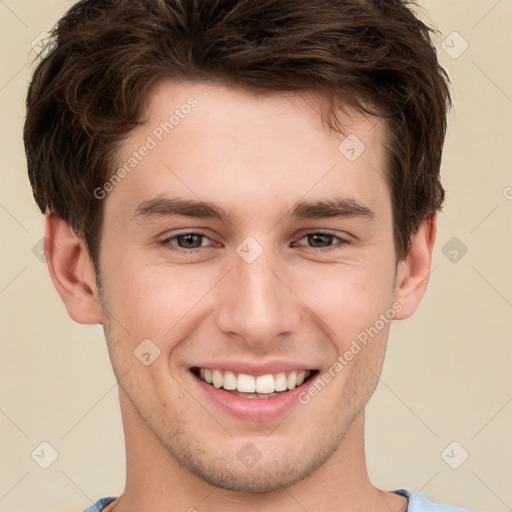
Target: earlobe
pixel 71 271
pixel 413 273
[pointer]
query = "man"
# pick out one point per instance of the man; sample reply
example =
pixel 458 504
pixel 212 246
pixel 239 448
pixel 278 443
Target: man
pixel 244 194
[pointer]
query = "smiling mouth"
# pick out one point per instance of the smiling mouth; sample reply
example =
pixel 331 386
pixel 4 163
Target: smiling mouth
pixel 250 386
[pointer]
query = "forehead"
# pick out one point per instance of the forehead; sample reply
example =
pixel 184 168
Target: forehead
pixel 219 143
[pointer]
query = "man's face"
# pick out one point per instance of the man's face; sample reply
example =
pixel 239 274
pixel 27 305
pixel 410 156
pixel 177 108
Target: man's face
pixel 257 293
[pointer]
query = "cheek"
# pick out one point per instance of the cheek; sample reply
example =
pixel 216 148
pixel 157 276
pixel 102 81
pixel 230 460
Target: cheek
pixel 349 298
pixel 148 298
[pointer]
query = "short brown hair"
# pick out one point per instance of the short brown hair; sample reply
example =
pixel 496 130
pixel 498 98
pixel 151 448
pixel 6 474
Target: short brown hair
pixel 88 94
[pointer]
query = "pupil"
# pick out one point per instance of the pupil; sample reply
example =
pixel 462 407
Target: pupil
pixel 313 239
pixel 189 237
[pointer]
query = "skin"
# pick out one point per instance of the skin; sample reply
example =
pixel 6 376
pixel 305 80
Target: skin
pixel 254 154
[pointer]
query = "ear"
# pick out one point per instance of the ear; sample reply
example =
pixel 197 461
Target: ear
pixel 413 273
pixel 71 271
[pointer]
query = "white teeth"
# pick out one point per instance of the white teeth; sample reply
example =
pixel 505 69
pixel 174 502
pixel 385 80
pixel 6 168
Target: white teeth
pixel 217 378
pixel 280 382
pixel 291 381
pixel 229 380
pixel 246 383
pixel 263 384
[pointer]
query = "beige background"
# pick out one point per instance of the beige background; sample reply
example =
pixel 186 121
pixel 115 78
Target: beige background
pixel 447 374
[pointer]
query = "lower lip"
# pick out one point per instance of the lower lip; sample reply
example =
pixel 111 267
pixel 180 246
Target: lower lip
pixel 253 409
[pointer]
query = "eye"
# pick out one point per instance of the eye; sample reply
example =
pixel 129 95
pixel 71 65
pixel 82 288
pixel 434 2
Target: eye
pixel 191 242
pixel 188 242
pixel 319 239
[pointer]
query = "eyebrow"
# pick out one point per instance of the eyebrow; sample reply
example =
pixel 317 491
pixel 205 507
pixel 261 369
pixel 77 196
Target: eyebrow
pixel 162 207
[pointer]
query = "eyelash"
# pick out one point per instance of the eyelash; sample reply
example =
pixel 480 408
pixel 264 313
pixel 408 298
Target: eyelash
pixel 166 243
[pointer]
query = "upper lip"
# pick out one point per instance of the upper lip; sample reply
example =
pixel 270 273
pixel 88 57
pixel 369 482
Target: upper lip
pixel 256 368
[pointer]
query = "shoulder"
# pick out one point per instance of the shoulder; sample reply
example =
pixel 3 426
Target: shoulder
pixel 100 504
pixel 419 503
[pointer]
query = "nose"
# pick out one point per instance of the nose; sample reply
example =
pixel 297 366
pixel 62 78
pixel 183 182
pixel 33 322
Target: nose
pixel 257 303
